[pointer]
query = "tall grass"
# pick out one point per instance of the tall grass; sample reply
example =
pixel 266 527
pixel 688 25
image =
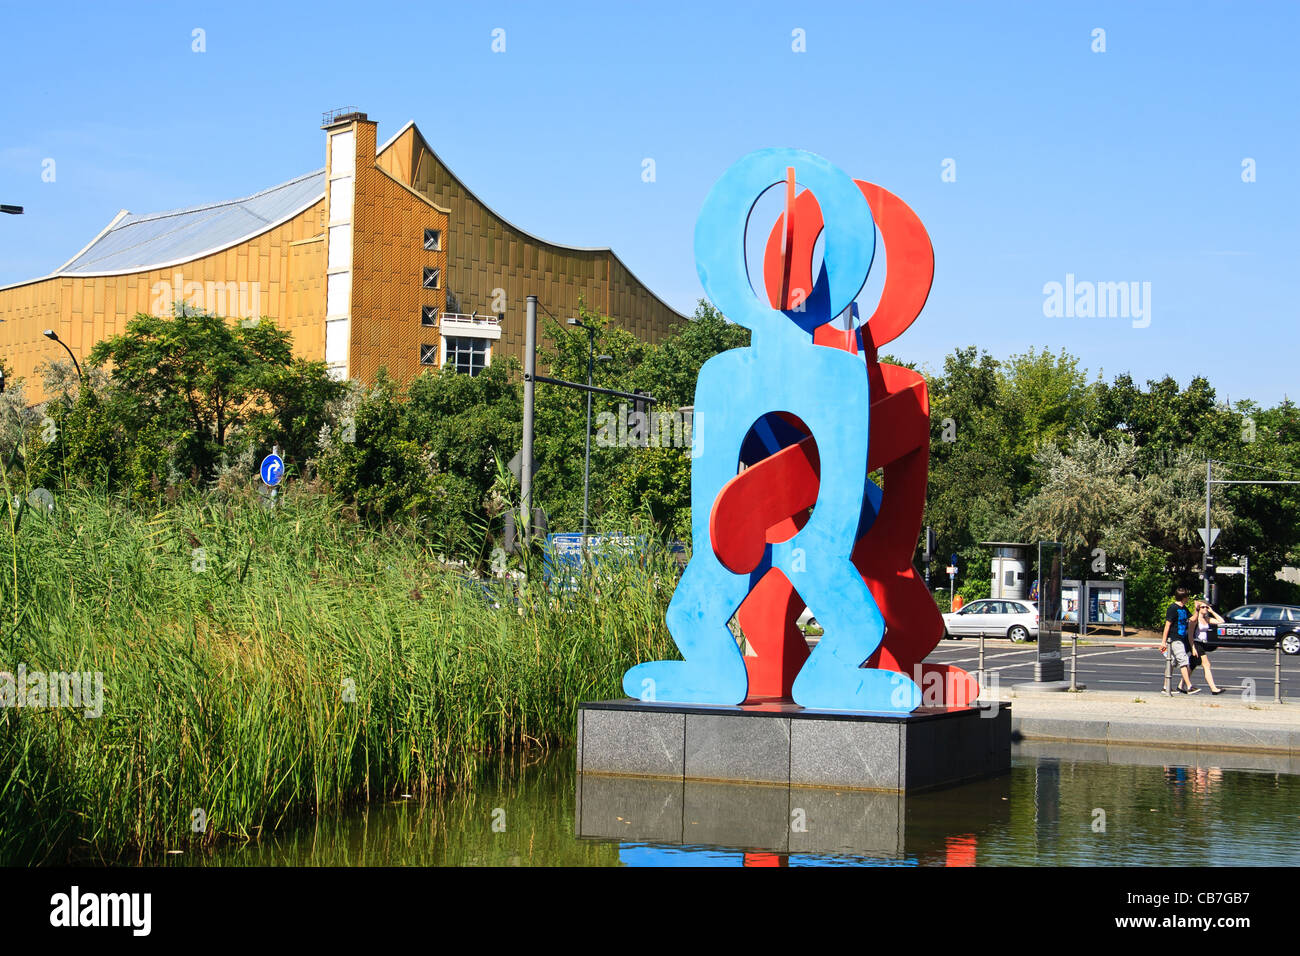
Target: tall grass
pixel 261 664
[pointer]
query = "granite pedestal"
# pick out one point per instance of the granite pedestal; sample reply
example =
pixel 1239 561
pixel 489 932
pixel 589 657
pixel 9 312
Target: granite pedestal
pixel 791 746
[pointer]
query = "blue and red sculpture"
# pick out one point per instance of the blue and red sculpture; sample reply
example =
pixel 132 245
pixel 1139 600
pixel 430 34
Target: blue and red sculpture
pixel 786 433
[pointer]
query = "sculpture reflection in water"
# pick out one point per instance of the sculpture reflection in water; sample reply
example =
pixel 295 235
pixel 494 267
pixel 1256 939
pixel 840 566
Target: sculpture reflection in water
pixel 683 823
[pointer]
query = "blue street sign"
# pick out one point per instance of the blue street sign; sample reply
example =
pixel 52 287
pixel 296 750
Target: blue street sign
pixel 563 552
pixel 954 558
pixel 272 470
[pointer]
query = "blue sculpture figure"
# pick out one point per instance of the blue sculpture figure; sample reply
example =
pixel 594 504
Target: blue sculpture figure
pixel 827 390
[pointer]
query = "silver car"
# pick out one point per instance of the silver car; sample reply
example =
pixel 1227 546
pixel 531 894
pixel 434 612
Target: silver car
pixel 994 617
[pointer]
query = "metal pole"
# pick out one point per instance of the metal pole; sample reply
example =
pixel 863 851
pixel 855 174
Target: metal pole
pixel 596 389
pixel 1169 672
pixel 54 337
pixel 275 450
pixel 75 364
pixel 1245 580
pixel 981 658
pixel 586 463
pixel 1277 673
pixel 1081 625
pixel 1123 604
pixel 526 456
pixel 1206 562
pixel 1074 662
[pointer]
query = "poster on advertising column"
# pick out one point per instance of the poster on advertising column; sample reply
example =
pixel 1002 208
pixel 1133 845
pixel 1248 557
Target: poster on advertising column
pixel 1105 602
pixel 1070 601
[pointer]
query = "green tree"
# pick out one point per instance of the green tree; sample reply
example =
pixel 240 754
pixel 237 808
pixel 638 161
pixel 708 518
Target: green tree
pixel 670 369
pixel 202 380
pixel 971 493
pixel 1172 508
pixel 1088 501
pixel 1042 399
pixel 174 399
pixel 370 459
pixel 432 455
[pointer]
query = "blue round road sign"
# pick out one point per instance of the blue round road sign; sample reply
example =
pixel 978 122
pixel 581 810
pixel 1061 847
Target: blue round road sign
pixel 272 469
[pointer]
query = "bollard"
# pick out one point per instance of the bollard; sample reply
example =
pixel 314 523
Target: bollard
pixel 1169 674
pixel 1074 663
pixel 1277 673
pixel 981 671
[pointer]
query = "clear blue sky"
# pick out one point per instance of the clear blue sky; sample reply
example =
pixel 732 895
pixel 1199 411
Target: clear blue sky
pixel 1117 166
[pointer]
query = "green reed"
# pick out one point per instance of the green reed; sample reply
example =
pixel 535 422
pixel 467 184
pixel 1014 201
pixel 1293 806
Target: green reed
pixel 261 664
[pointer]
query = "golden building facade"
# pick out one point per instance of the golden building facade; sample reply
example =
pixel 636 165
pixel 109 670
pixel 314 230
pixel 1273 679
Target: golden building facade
pixel 383 258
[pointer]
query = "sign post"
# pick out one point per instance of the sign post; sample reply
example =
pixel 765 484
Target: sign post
pixel 272 470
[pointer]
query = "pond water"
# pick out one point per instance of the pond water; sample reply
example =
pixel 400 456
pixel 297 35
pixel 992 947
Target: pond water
pixel 1061 804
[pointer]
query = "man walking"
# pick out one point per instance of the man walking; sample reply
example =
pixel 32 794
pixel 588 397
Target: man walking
pixel 1176 645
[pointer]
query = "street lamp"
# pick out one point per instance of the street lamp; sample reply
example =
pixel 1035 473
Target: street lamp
pixel 11 210
pixel 586 464
pixel 53 336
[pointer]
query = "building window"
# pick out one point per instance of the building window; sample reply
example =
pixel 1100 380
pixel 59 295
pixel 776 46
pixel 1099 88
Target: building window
pixel 428 355
pixel 429 315
pixel 468 356
pixel 432 239
pixel 430 278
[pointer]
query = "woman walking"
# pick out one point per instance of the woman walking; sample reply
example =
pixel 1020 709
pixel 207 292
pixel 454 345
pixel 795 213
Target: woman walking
pixel 1206 618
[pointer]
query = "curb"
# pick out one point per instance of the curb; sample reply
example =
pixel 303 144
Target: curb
pixel 1259 738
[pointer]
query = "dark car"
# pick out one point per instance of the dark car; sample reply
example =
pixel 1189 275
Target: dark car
pixel 1260 625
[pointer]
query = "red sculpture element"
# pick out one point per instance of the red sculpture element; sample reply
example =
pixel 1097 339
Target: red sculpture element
pixel 769 501
pixel 959 849
pixel 764 505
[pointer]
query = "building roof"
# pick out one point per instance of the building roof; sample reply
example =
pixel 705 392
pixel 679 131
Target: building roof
pixel 157 240
pixel 160 240
pixel 410 124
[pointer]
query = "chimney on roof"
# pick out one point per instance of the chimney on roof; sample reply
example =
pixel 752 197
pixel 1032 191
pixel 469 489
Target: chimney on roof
pixel 344 114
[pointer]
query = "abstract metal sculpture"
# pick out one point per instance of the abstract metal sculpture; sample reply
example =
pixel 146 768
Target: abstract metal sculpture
pixel 806 413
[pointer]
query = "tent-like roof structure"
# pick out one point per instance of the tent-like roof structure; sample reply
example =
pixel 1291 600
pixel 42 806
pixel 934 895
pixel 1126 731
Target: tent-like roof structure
pixel 157 240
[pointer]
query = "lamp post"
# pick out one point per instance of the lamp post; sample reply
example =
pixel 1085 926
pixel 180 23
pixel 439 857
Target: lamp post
pixel 586 464
pixel 53 336
pixel 11 210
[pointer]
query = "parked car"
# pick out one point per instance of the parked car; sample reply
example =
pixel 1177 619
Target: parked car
pixel 994 617
pixel 1261 625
